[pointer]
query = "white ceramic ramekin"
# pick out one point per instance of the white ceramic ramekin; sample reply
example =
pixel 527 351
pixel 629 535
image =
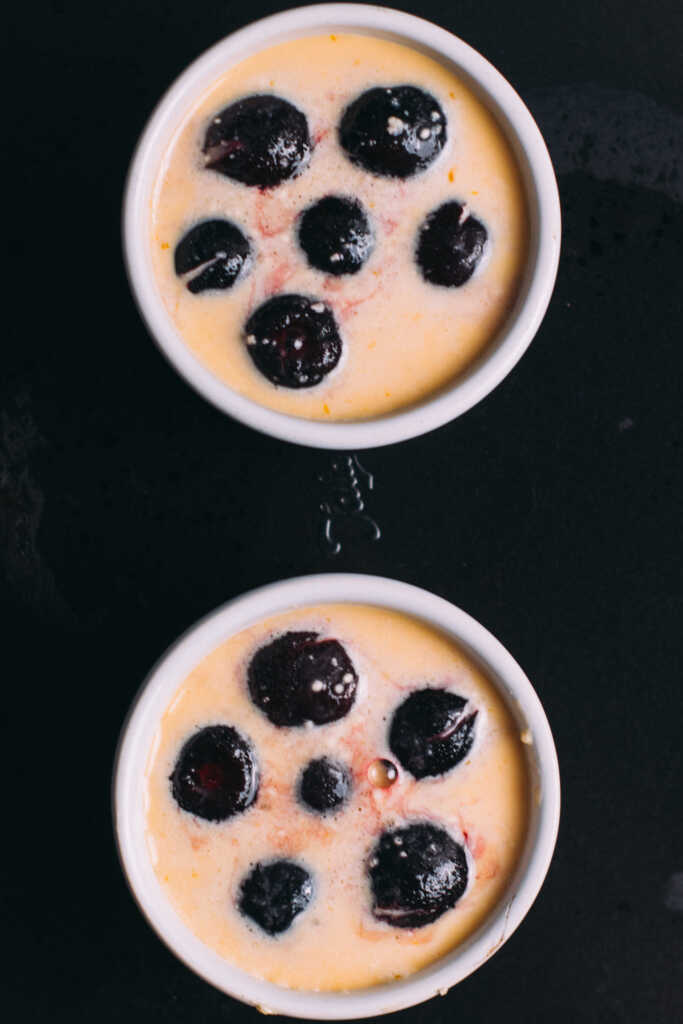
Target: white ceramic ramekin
pixel 537 171
pixel 205 636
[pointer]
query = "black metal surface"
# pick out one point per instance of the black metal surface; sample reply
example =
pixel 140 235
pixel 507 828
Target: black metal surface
pixel 551 511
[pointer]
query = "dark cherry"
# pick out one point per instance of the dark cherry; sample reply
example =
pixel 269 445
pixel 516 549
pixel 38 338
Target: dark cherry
pixel 293 340
pixel 324 785
pixel 260 141
pixel 218 250
pixel 394 132
pixel 299 678
pixel 335 235
pixel 416 873
pixel 430 733
pixel 274 893
pixel 216 774
pixel 450 245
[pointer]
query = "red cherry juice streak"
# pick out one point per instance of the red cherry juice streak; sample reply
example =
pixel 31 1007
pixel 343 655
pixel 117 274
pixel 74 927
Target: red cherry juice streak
pixel 272 216
pixel 278 277
pixel 334 287
pixel 389 225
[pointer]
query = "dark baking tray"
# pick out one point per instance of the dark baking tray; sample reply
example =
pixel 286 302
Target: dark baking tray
pixel 551 511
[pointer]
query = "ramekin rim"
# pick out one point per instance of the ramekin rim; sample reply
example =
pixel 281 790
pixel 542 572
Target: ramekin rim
pixel 488 372
pixel 153 696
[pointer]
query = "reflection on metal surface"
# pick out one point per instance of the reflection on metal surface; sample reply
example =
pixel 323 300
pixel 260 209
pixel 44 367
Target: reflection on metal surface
pixel 345 517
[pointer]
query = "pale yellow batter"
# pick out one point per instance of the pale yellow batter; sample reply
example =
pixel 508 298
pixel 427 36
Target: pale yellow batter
pixel 403 338
pixel 336 943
